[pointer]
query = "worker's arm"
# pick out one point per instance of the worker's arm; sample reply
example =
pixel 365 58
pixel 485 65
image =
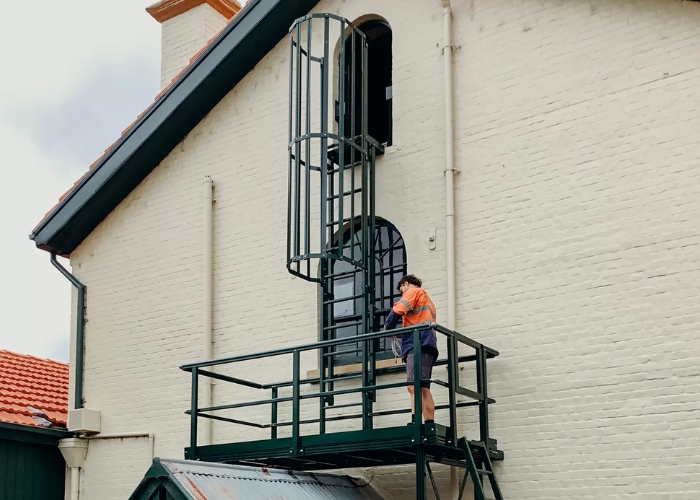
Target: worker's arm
pixel 401 308
pixel 391 320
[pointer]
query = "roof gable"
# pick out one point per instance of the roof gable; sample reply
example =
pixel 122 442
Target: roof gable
pixel 217 70
pixel 188 479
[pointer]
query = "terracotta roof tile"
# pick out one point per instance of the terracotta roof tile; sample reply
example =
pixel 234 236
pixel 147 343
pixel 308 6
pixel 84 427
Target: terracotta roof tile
pixel 127 129
pixel 33 391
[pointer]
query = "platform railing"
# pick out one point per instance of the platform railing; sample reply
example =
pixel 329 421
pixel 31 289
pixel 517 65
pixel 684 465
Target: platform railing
pixel 478 398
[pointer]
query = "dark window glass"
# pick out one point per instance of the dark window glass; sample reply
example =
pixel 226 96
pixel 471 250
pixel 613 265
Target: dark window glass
pixel 390 265
pixel 379 81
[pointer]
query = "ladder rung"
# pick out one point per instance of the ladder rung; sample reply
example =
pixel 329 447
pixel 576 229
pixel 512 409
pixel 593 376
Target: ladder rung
pixel 335 223
pixel 342 325
pixel 342 299
pixel 346 193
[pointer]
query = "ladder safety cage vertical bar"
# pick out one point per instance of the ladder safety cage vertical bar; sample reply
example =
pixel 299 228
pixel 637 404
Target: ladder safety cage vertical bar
pixel 353 56
pixel 307 149
pixel 324 142
pixel 326 233
pixel 374 321
pixel 297 155
pixel 289 142
pixel 365 243
pixel 341 133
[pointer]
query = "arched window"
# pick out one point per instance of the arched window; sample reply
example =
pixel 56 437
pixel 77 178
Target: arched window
pixel 390 266
pixel 379 86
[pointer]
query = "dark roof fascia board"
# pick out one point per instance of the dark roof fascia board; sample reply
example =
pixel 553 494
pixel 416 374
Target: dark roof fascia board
pixel 236 51
pixel 30 434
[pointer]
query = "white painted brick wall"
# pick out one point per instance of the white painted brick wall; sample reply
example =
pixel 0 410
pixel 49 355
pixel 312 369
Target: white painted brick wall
pixel 184 35
pixel 577 138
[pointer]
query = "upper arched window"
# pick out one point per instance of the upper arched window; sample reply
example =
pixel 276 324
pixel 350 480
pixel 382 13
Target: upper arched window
pixel 379 87
pixel 390 266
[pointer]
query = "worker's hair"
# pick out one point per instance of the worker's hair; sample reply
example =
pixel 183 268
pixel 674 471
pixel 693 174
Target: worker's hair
pixel 410 279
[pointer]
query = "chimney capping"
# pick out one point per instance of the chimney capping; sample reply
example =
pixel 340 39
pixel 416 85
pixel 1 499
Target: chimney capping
pixel 167 9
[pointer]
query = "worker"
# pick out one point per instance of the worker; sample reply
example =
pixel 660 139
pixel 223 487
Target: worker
pixel 415 307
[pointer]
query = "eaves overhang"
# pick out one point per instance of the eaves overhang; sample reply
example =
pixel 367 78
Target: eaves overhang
pixel 224 63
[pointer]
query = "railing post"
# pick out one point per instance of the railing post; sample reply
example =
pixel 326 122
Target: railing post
pixel 322 389
pixel 273 417
pixel 295 402
pixel 193 414
pixel 482 389
pixel 366 404
pixel 417 392
pixel 453 382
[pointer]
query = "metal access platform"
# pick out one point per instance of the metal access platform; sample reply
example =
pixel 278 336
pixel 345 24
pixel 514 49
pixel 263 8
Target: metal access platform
pixel 370 445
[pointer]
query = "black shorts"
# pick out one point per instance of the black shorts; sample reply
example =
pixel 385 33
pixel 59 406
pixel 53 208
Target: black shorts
pixel 427 360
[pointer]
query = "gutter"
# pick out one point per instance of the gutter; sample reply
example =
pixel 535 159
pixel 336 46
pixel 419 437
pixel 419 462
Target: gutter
pixel 79 334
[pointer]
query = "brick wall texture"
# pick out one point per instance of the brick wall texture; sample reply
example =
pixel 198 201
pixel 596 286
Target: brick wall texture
pixel 578 250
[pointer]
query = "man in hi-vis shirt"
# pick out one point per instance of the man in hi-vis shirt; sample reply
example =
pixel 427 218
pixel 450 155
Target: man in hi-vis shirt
pixel 415 307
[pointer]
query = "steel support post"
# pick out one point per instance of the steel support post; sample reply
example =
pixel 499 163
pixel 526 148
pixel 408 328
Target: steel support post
pixel 420 473
pixel 296 392
pixel 194 404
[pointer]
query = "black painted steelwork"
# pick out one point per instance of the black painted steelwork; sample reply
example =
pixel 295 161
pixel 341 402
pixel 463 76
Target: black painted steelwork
pixel 331 219
pixel 309 445
pixel 332 177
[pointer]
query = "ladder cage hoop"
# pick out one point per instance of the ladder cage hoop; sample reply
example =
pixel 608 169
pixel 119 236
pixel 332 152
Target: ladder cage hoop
pixel 330 154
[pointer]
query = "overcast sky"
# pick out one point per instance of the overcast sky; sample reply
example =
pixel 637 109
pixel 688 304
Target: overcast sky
pixel 75 73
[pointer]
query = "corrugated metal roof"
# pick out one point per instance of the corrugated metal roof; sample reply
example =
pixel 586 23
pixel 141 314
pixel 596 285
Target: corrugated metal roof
pixel 207 481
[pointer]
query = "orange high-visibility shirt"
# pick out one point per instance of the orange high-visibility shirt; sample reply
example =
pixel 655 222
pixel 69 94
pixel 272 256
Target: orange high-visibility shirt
pixel 415 307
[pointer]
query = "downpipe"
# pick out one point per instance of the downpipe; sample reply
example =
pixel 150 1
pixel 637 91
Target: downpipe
pixel 79 332
pixel 449 191
pixel 74 483
pixel 207 300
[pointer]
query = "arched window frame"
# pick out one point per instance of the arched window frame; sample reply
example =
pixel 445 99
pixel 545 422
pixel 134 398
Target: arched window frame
pixel 379 38
pixel 390 266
